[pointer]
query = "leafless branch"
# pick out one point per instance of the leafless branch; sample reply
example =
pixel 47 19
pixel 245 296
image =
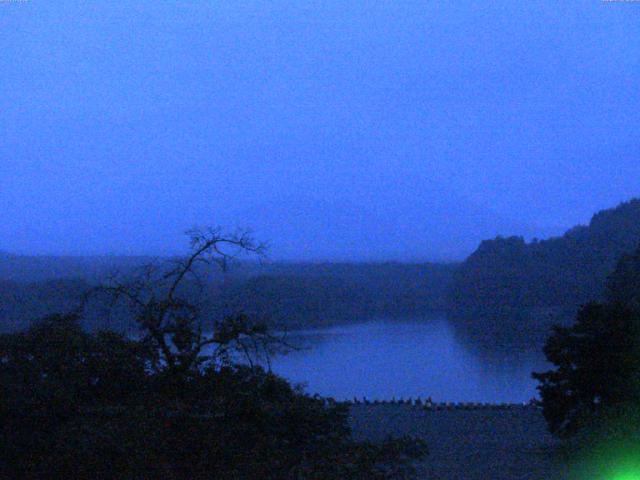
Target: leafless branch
pixel 172 323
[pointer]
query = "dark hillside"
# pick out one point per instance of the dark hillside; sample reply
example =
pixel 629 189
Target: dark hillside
pixel 505 276
pixel 21 303
pixel 283 294
pixel 320 294
pixel 39 268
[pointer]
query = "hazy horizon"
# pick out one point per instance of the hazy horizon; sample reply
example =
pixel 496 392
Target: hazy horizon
pixel 392 131
pixel 268 257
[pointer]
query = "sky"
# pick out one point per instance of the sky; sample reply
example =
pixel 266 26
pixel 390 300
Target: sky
pixel 334 130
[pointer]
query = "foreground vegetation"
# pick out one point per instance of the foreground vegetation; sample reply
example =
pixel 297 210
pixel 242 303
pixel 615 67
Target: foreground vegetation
pixel 591 399
pixel 79 405
pixel 175 403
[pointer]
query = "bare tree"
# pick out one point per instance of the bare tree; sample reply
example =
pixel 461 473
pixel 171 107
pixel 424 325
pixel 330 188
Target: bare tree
pixel 166 301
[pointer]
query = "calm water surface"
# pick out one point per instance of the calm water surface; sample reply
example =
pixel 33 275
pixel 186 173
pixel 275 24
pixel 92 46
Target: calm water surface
pixel 402 358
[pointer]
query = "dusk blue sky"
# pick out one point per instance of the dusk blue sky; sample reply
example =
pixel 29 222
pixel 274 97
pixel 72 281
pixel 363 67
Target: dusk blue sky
pixel 335 130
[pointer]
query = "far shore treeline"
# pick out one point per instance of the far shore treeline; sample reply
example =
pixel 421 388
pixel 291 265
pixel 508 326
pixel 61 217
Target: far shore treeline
pixel 519 290
pixel 506 287
pixel 288 295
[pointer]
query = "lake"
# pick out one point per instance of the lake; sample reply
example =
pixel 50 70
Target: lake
pixel 384 359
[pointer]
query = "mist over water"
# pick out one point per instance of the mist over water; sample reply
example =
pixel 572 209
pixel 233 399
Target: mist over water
pixel 391 358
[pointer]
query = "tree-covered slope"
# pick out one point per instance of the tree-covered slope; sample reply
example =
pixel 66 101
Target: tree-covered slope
pixel 509 274
pixel 321 294
pixel 22 303
pixel 283 294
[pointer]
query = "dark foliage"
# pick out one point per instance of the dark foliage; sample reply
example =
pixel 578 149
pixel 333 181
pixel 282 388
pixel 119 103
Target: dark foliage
pixel 316 295
pixel 597 359
pixel 20 303
pixel 542 280
pixel 53 373
pixel 623 286
pixel 174 404
pixel 287 295
pixel 597 364
pixel 80 405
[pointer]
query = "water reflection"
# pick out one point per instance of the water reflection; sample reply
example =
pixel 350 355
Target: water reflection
pixel 403 358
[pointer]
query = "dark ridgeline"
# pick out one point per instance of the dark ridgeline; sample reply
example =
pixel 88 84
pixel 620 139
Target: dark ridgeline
pixel 40 268
pixel 299 295
pixel 515 290
pixel 508 289
pixel 284 294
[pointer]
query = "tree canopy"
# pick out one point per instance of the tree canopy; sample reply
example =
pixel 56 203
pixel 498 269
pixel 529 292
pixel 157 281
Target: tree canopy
pixel 522 282
pixel 597 359
pixel 75 404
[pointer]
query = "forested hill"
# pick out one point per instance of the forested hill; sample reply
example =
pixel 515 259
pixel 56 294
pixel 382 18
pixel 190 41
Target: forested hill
pixel 283 294
pixel 508 274
pixel 321 294
pixel 45 268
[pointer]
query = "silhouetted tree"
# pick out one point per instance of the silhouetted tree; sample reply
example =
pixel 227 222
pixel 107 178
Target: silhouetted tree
pixel 166 302
pixel 623 286
pixel 98 405
pixel 52 375
pixel 598 359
